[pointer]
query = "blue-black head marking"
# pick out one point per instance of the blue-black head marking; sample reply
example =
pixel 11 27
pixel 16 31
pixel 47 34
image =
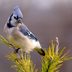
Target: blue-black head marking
pixel 17 15
pixel 17 12
pixel 9 25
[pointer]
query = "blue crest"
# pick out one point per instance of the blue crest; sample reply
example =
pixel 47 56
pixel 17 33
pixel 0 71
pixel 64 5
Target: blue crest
pixel 17 12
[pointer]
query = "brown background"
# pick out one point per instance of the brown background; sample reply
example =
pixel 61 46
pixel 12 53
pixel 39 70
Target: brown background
pixel 46 19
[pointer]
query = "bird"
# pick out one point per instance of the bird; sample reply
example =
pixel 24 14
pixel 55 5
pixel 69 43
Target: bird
pixel 18 34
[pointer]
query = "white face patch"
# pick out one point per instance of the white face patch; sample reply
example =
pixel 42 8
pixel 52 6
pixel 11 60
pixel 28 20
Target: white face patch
pixel 13 21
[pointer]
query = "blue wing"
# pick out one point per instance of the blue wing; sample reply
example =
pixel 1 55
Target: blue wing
pixel 26 32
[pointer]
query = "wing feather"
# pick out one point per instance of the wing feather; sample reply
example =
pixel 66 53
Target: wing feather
pixel 24 30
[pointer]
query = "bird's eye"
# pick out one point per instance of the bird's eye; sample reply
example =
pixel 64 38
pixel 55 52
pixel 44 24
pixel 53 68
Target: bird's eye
pixel 15 17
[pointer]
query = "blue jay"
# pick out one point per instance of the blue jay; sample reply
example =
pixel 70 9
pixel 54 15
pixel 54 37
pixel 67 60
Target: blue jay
pixel 19 35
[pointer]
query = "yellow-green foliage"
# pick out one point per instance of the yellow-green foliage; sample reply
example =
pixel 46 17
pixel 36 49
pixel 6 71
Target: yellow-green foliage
pixel 51 62
pixel 22 64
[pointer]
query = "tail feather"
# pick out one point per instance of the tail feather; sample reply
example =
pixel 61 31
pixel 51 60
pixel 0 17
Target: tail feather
pixel 40 51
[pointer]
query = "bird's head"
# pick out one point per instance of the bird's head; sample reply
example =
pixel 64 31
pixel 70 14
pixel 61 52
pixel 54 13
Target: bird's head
pixel 16 17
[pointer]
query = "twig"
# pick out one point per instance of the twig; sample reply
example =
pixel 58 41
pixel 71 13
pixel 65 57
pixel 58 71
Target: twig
pixel 57 45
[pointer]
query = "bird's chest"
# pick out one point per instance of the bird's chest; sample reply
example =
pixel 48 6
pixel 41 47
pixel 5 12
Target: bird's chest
pixel 14 41
pixel 11 38
pixel 26 44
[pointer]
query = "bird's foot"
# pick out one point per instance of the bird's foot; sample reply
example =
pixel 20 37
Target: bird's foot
pixel 16 50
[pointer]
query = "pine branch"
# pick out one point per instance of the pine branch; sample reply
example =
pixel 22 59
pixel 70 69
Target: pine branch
pixel 51 62
pixel 54 58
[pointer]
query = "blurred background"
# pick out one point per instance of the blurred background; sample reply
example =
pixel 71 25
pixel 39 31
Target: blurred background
pixel 46 19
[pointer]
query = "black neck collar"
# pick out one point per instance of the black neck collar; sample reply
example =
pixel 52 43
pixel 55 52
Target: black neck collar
pixel 9 25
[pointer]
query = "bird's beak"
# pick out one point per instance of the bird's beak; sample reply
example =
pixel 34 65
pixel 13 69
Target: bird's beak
pixel 19 20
